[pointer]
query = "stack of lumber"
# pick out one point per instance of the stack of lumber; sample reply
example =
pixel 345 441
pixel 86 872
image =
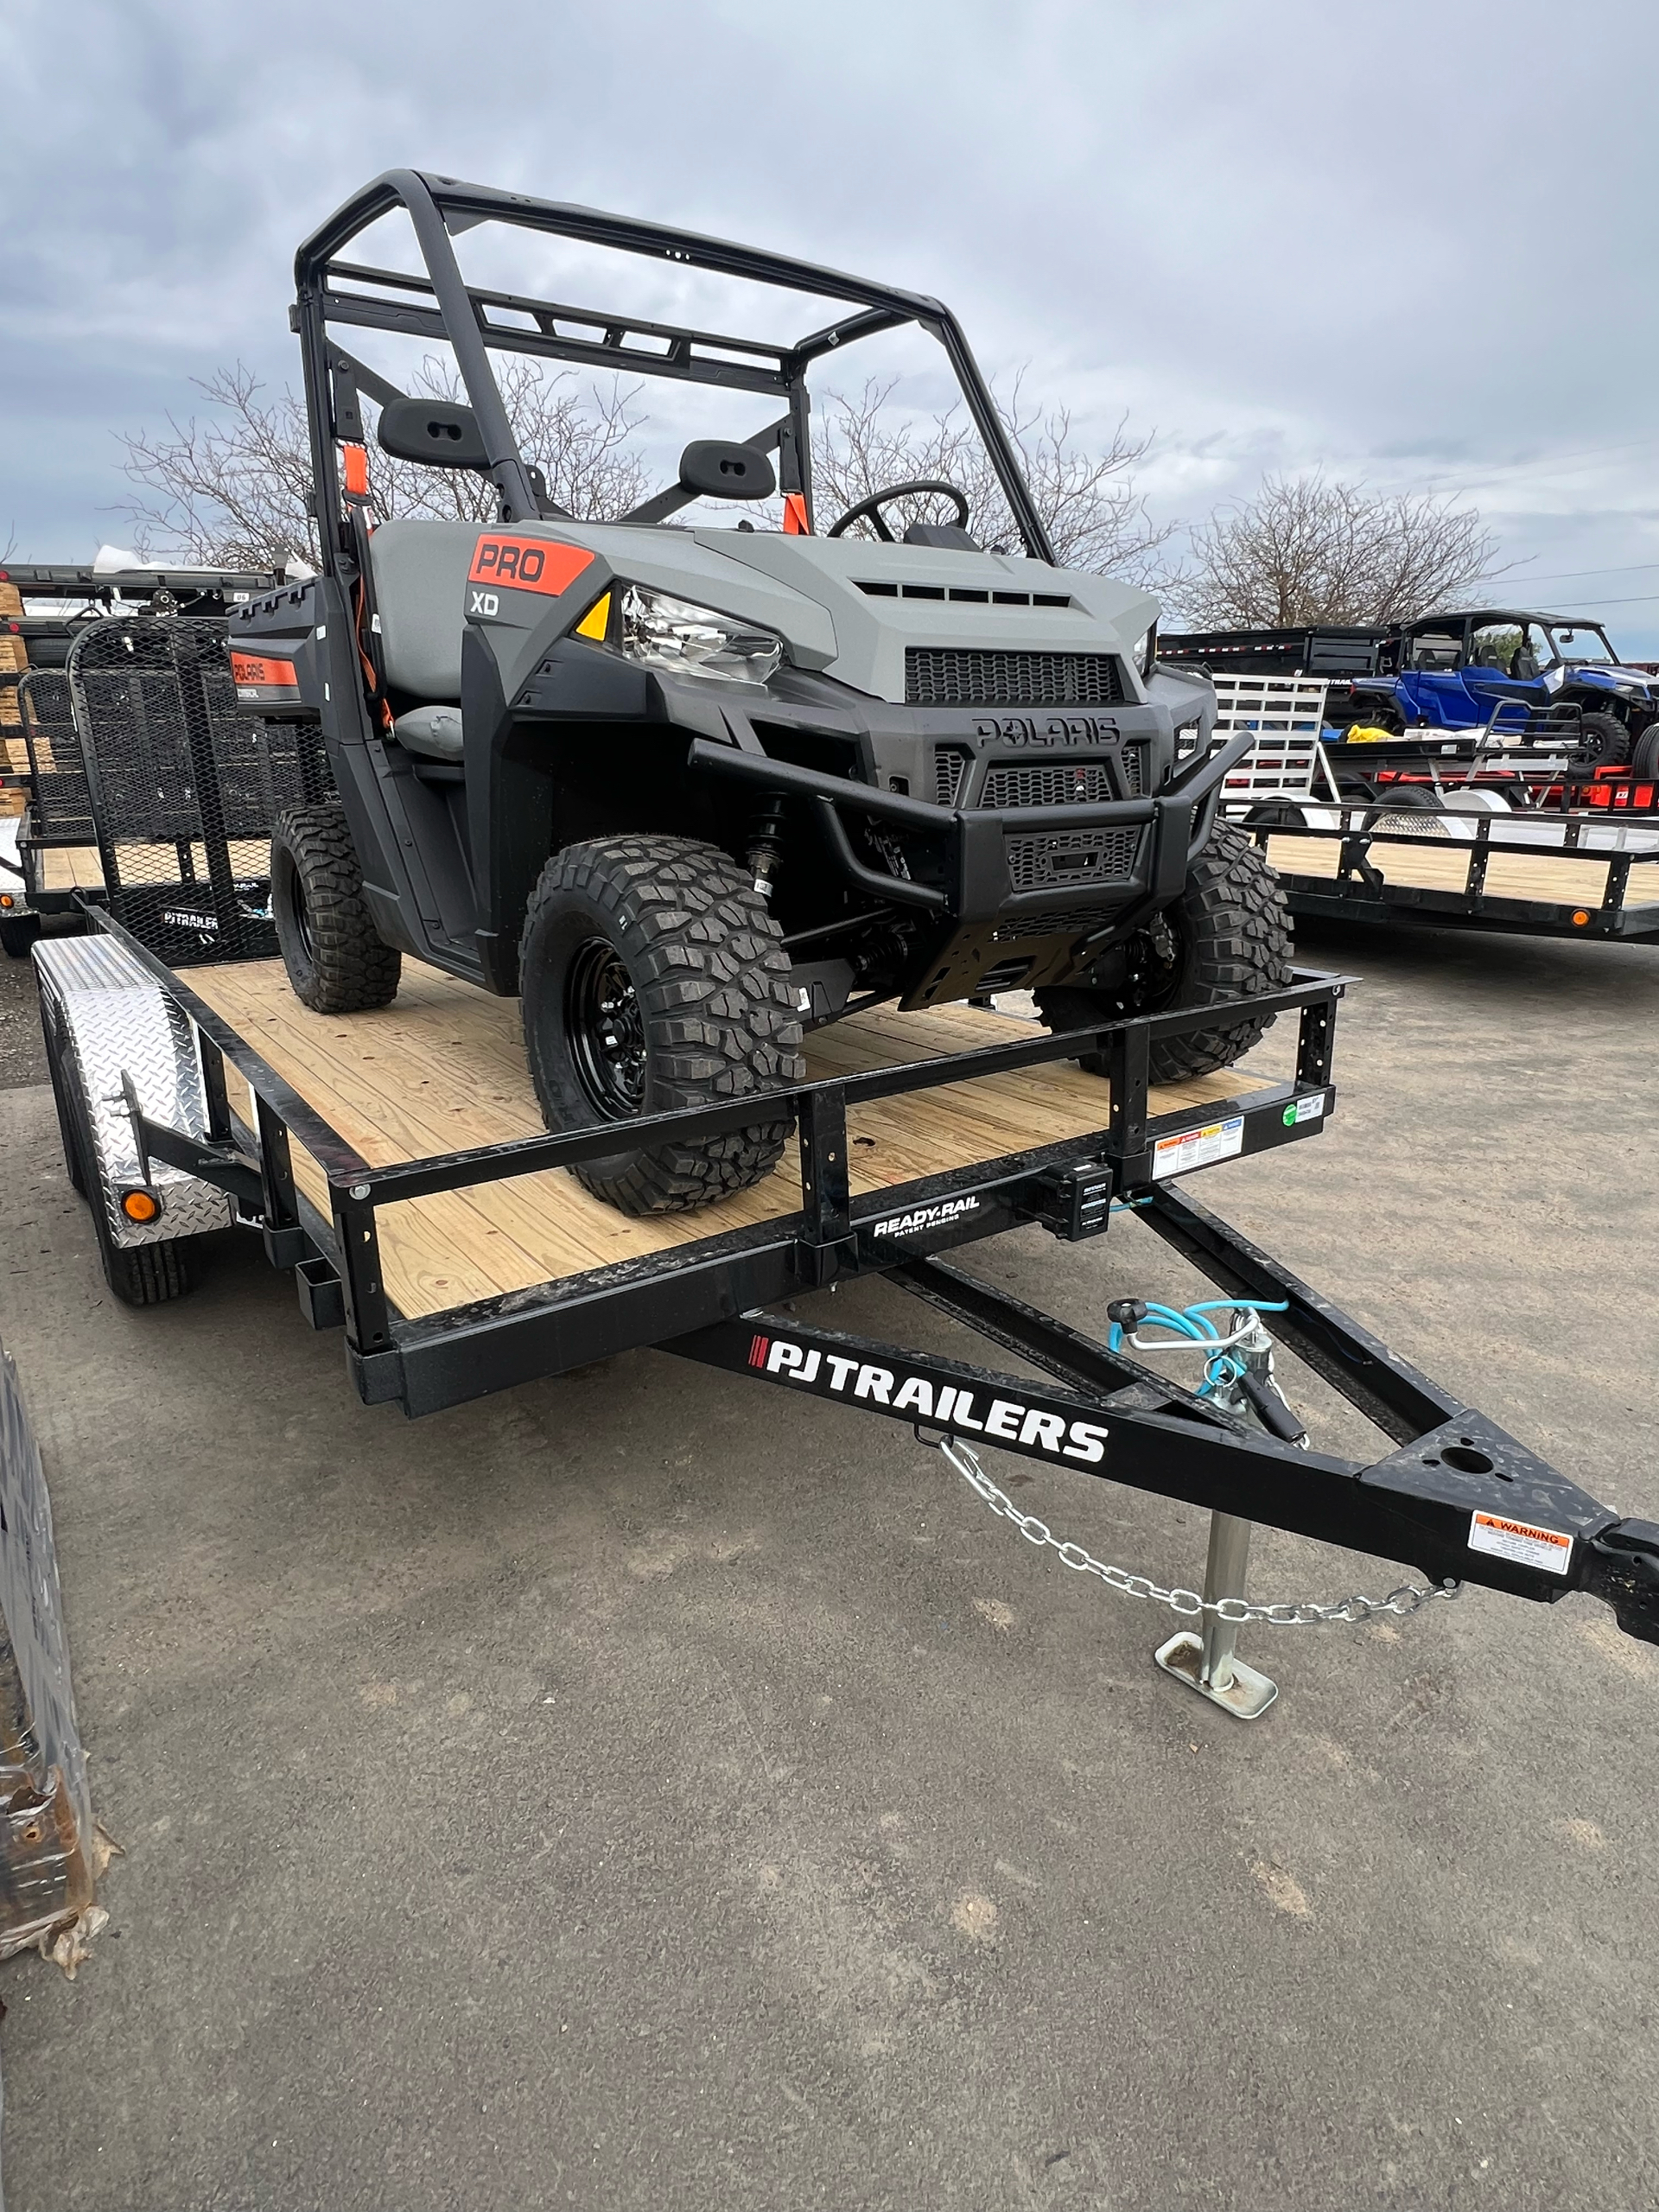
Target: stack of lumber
pixel 13 662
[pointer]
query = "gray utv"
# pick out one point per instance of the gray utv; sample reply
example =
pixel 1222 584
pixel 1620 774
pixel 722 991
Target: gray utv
pixel 690 791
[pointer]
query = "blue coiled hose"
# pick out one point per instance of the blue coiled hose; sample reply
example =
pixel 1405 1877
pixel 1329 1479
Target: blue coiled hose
pixel 1191 1324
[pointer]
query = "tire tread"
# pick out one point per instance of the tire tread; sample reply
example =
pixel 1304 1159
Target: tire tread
pixel 713 978
pixel 1236 928
pixel 355 968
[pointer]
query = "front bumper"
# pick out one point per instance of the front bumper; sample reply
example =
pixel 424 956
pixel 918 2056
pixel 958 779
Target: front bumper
pixel 976 853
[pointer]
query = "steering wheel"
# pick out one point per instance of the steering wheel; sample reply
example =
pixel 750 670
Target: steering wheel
pixel 868 510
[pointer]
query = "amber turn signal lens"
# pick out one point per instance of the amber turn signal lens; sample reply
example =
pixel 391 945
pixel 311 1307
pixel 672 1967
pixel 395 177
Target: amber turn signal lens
pixel 141 1205
pixel 1580 919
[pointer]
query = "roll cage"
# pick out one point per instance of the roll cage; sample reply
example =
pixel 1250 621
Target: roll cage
pixel 442 306
pixel 1464 624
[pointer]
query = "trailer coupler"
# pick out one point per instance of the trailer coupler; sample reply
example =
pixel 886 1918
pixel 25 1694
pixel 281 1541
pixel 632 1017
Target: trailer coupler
pixel 1622 1569
pixel 1458 1497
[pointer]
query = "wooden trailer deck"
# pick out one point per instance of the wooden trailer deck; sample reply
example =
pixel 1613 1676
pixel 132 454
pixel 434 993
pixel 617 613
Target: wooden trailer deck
pixel 1438 864
pixel 442 1070
pixel 78 867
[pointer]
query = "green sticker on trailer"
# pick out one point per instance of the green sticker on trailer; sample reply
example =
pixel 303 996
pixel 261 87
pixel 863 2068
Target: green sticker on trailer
pixel 1306 1109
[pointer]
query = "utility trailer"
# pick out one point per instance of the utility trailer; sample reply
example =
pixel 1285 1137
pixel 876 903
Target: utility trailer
pixel 45 607
pixel 1455 867
pixel 395 1162
pixel 1327 650
pixel 1434 837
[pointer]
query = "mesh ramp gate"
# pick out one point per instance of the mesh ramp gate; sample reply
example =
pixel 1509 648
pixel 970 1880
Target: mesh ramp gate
pixel 186 786
pixel 63 805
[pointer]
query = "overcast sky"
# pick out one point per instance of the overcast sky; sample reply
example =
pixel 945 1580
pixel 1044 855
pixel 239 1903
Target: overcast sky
pixel 1409 243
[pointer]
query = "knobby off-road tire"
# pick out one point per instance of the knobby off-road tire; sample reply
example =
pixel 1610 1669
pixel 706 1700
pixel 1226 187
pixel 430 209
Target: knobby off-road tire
pixel 1603 742
pixel 1232 939
pixel 1644 756
pixel 336 960
pixel 660 946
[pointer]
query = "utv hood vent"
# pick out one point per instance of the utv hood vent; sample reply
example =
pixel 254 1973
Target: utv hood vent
pixel 977 595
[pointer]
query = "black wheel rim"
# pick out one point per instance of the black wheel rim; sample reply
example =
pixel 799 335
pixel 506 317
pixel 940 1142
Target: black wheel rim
pixel 1155 966
pixel 607 1034
pixel 302 920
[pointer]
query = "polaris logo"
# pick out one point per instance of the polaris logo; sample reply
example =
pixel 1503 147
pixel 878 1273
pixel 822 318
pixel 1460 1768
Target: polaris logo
pixel 933 1217
pixel 1056 729
pixel 944 1405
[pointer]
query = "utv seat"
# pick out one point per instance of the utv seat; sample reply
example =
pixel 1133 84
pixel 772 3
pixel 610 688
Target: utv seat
pixel 433 731
pixel 419 572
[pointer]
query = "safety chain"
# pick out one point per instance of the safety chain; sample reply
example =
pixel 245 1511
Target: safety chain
pixel 1406 1600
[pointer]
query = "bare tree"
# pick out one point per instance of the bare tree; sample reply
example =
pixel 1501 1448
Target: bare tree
pixel 234 491
pixel 1094 517
pixel 1309 549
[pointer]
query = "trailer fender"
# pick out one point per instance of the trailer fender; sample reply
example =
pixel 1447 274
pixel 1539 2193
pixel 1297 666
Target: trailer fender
pixel 105 1019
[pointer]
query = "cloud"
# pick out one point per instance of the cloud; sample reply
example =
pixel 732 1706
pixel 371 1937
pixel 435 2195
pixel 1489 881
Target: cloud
pixel 1405 245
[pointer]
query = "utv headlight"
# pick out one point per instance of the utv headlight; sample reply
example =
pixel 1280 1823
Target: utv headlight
pixel 688 641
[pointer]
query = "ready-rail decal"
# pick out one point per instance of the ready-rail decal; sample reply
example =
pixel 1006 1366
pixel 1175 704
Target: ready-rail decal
pixel 941 1405
pixel 933 1217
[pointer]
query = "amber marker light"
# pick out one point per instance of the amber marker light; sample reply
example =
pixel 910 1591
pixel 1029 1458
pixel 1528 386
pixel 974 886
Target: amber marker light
pixel 141 1206
pixel 1580 919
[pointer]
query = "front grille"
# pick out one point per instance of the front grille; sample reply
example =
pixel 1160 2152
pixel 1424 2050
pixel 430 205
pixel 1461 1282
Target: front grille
pixel 957 676
pixel 1067 921
pixel 951 766
pixel 1054 783
pixel 1053 857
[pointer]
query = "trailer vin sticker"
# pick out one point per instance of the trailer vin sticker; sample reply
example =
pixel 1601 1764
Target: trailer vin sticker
pixel 1198 1148
pixel 1520 1542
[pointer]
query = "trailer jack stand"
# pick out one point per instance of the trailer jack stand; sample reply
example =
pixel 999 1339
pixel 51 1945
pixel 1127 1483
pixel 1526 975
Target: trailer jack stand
pixel 1209 1662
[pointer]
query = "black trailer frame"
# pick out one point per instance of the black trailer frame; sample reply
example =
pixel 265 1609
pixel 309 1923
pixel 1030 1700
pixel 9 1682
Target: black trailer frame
pixel 1360 893
pixel 1453 1471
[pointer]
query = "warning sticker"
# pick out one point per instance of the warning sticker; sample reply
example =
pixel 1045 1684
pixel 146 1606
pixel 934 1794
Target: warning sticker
pixel 1196 1147
pixel 1522 1542
pixel 1306 1109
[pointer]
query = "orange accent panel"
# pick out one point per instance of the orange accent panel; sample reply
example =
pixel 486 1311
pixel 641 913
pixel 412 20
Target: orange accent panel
pixel 356 459
pixel 538 564
pixel 795 522
pixel 254 668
